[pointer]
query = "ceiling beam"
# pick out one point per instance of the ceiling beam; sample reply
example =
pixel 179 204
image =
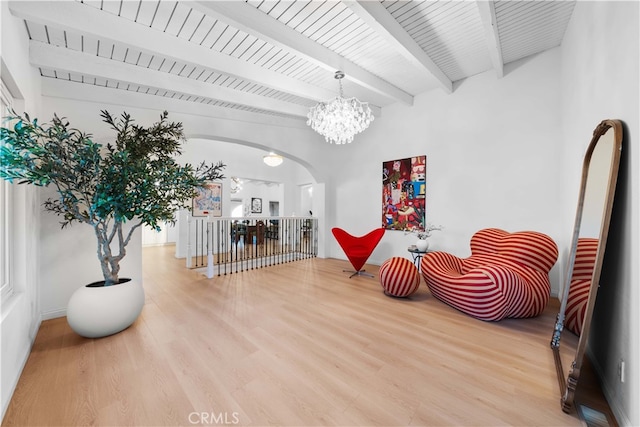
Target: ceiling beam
pixel 253 21
pixel 62 59
pixel 489 21
pixel 376 16
pixel 117 99
pixel 77 18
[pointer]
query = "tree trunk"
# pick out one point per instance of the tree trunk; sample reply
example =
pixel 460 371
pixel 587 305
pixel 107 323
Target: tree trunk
pixel 110 267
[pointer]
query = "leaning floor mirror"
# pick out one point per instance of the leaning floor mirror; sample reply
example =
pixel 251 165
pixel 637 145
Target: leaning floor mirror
pixel 582 279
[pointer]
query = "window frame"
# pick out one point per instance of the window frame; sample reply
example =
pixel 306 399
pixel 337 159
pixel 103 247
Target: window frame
pixel 7 267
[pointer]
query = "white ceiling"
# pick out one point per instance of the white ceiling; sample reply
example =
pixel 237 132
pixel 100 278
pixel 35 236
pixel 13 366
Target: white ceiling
pixel 278 58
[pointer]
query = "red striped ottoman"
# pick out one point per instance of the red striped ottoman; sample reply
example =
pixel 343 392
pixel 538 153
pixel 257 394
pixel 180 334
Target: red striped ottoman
pixel 399 277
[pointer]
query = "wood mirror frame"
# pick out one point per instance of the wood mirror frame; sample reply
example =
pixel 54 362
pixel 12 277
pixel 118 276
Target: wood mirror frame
pixel 595 202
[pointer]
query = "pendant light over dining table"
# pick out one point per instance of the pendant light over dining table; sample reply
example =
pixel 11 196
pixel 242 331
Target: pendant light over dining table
pixel 339 119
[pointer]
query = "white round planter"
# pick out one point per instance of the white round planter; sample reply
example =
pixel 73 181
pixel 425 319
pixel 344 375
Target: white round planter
pixel 422 245
pixel 96 311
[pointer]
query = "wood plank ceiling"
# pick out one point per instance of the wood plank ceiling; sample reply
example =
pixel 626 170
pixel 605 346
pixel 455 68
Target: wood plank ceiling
pixel 277 58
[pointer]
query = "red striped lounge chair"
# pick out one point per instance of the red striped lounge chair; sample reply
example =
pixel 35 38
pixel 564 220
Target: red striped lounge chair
pixel 506 276
pixel 580 284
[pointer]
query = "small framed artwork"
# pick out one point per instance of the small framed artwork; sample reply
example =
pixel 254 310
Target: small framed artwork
pixel 256 205
pixel 208 201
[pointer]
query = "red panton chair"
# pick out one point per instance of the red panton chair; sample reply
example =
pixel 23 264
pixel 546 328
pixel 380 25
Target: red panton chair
pixel 506 276
pixel 358 249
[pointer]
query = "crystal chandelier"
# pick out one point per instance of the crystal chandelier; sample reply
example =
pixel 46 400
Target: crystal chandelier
pixel 339 119
pixel 272 159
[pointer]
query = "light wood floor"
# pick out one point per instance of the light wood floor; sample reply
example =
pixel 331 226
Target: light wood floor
pixel 298 344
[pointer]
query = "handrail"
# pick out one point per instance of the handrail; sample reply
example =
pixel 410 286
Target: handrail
pixel 231 245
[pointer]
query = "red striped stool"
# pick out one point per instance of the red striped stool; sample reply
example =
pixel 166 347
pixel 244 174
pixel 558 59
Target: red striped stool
pixel 399 277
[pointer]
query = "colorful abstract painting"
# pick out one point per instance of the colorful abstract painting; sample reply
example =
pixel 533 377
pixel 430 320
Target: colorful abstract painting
pixel 208 201
pixel 404 193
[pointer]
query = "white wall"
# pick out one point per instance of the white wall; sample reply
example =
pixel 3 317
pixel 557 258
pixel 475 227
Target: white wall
pixel 20 313
pixel 600 80
pixel 271 192
pixel 306 199
pixel 493 160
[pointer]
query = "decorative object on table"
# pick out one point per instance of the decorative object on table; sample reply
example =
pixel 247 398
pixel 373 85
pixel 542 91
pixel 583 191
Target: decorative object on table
pixel 399 277
pixel 256 205
pixel 507 275
pixel 340 119
pixel 404 193
pixel 358 249
pixel 272 159
pixel 422 235
pixel 208 200
pixel 422 245
pixel 134 180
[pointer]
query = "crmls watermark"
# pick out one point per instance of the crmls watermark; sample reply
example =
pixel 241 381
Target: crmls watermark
pixel 214 418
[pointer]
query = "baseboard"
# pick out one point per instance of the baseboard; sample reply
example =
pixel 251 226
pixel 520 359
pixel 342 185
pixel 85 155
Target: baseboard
pixel 33 333
pixel 618 412
pixel 54 314
pixel 150 245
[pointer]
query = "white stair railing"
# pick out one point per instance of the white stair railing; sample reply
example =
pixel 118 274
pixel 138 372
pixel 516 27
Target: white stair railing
pixel 222 246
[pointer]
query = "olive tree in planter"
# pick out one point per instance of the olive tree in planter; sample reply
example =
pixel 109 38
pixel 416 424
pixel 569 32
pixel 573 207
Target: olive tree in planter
pixel 115 188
